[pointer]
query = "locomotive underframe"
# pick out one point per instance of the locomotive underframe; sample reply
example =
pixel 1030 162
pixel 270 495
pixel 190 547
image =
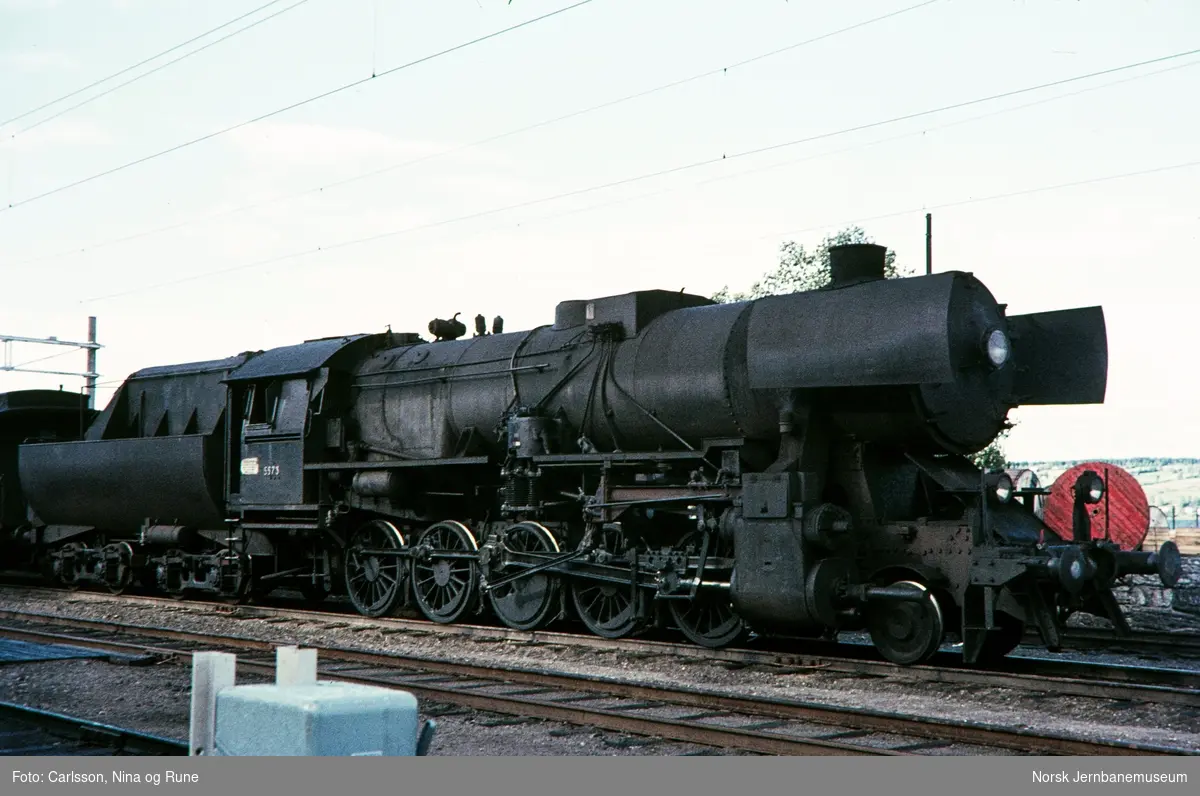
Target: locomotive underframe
pixel 655 540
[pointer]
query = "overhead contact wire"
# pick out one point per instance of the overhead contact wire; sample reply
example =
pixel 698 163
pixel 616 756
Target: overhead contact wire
pixel 293 106
pixel 666 172
pixel 143 62
pixel 490 139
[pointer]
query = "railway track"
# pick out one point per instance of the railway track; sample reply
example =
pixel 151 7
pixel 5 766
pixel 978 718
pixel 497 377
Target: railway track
pixel 1039 674
pixel 750 724
pixel 27 731
pixel 1178 644
pixel 1150 643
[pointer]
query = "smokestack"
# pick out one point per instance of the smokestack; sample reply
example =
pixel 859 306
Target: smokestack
pixel 856 262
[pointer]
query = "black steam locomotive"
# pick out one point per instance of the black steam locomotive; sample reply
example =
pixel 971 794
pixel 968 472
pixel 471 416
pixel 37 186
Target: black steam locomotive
pixel 790 466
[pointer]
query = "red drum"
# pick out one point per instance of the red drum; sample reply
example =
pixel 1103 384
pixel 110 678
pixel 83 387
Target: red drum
pixel 1121 516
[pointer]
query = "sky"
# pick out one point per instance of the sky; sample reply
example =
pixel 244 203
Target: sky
pixel 438 187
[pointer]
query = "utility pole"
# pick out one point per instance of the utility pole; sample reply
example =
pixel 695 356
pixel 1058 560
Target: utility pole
pixel 91 346
pixel 91 363
pixel 928 243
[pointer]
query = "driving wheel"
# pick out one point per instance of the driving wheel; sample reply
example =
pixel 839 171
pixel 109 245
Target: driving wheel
pixel 527 603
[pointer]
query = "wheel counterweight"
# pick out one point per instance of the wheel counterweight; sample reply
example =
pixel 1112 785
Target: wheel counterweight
pixel 376 584
pixel 607 609
pixel 446 588
pixel 527 603
pixel 708 619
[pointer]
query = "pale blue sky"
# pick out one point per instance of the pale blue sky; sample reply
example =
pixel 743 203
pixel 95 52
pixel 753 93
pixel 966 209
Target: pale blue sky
pixel 1126 244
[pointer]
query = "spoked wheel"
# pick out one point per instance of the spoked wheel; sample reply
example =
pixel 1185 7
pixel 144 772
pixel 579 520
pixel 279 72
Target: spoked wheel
pixel 118 567
pixel 527 603
pixel 607 609
pixel 376 582
pixel 708 619
pixel 446 587
pixel 907 632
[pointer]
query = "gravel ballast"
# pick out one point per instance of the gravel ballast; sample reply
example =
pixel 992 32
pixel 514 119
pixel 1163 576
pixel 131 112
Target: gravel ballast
pixel 156 698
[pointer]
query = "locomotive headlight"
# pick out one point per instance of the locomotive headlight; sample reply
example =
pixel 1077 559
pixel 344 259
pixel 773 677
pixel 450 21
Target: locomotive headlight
pixel 997 347
pixel 1090 486
pixel 1001 485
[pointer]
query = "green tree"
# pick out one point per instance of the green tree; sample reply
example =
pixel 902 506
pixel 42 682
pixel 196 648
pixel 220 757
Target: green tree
pixel 992 457
pixel 803 269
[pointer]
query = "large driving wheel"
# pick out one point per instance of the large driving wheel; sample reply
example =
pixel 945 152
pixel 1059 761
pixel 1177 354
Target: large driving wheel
pixel 708 619
pixel 907 631
pixel 607 609
pixel 527 603
pixel 446 587
pixel 375 580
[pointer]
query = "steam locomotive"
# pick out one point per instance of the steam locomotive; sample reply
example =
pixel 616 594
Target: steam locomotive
pixel 790 466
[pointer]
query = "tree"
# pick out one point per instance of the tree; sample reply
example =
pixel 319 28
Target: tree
pixel 992 457
pixel 801 269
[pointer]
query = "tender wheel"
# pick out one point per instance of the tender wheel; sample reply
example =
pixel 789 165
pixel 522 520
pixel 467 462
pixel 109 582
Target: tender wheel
pixel 235 577
pixel 907 632
pixel 446 587
pixel 708 620
pixel 527 603
pixel 375 582
pixel 607 609
pixel 66 567
pixel 118 567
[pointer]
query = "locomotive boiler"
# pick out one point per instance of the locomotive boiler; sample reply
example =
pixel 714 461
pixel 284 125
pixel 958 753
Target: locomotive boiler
pixel 794 465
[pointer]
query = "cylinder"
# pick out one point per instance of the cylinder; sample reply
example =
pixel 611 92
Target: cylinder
pixel 378 483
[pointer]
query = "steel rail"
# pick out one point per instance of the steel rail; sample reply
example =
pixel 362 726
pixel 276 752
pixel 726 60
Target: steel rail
pixel 744 739
pixel 749 739
pixel 1074 678
pixel 44 724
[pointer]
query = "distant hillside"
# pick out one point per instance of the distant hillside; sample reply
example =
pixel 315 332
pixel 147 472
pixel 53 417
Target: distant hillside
pixel 1169 484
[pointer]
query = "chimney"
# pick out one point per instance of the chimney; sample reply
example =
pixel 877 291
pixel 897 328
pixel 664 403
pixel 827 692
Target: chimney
pixel 856 262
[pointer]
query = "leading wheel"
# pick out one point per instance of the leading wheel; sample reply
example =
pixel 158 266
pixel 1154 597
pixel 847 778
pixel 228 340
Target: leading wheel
pixel 445 587
pixel 376 580
pixel 907 631
pixel 527 603
pixel 708 619
pixel 607 609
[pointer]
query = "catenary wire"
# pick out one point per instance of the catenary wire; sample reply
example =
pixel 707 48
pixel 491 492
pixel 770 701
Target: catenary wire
pixel 293 106
pixel 143 62
pixel 158 68
pixel 991 198
pixel 483 141
pixel 43 359
pixel 642 177
pixel 877 142
pixel 895 214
